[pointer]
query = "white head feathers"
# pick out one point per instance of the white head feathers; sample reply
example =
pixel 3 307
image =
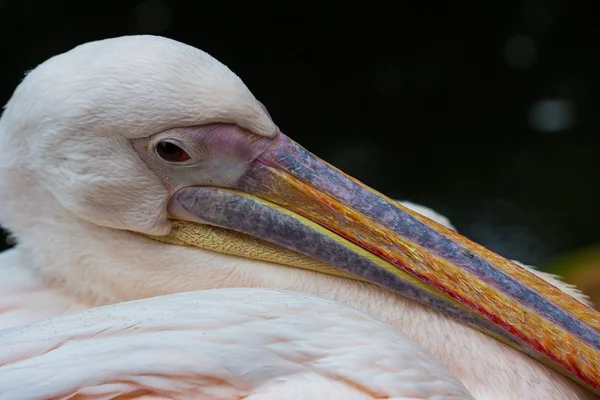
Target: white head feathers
pixel 65 132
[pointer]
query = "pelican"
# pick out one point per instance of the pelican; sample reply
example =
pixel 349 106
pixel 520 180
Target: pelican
pixel 172 242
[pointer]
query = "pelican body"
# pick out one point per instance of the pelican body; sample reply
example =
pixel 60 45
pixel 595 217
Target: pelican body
pixel 138 166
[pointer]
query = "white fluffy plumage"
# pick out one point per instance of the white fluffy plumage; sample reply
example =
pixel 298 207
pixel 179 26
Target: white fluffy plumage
pixel 220 344
pixel 72 189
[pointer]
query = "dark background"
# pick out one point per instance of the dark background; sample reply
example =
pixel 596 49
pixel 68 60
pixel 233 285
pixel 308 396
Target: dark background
pixel 486 111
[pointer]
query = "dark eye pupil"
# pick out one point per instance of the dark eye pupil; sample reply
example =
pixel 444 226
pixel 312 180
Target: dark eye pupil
pixel 171 152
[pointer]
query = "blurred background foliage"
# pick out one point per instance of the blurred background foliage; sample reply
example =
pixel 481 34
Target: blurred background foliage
pixel 486 111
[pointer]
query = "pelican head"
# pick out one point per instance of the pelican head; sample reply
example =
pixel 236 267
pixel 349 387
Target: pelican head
pixel 151 139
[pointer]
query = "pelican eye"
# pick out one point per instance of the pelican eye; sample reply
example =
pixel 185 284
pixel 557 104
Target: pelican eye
pixel 171 152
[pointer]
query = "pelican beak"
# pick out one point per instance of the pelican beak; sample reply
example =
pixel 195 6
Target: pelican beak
pixel 290 198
